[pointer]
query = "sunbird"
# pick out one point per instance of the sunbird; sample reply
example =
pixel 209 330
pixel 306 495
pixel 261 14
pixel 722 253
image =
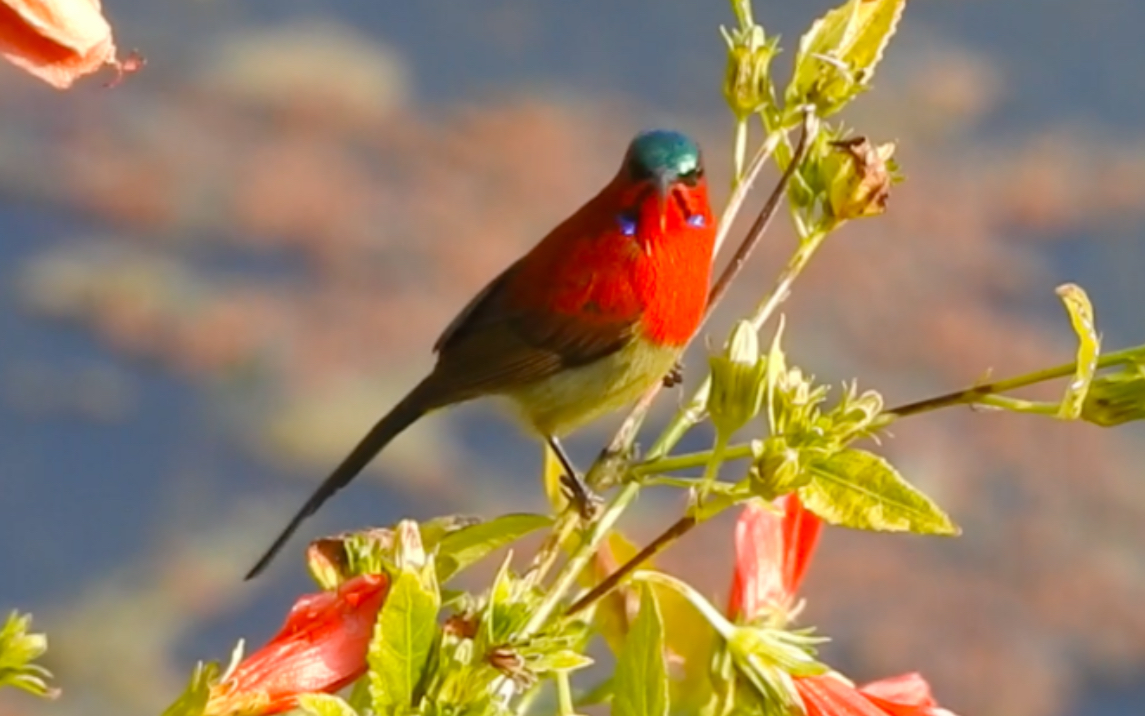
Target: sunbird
pixel 582 324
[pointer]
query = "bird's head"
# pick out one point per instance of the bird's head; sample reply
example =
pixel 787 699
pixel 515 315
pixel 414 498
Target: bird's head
pixel 667 163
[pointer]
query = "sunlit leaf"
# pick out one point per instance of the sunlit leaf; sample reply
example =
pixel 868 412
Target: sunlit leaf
pixel 325 705
pixel 858 489
pixel 466 546
pixel 641 678
pixel 1089 345
pixel 838 55
pixel 403 639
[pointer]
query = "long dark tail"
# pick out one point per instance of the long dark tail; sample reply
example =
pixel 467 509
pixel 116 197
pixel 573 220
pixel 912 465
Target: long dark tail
pixel 412 407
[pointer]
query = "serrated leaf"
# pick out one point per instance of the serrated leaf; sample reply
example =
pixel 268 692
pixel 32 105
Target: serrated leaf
pixel 193 701
pixel 838 55
pixel 641 678
pixel 858 489
pixel 1080 311
pixel 325 705
pixel 466 546
pixel 403 639
pixel 18 649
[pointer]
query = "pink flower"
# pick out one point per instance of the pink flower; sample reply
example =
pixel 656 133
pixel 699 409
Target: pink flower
pixel 772 550
pixel 58 41
pixel 321 647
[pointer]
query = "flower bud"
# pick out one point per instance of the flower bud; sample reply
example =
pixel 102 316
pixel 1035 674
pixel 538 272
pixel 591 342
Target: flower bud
pixel 859 178
pixel 409 553
pixel 777 472
pixel 738 381
pixel 747 83
pixel 1117 398
pixel 769 658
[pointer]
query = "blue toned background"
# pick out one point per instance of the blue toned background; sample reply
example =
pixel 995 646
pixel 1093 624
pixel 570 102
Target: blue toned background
pixel 218 274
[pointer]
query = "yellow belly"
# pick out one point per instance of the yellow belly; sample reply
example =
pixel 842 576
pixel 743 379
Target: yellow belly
pixel 560 404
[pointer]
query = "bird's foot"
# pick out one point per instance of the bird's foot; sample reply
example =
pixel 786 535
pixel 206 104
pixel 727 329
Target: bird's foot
pixel 675 376
pixel 586 502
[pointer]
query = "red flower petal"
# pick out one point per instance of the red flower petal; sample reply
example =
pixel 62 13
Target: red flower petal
pixel 321 647
pixel 56 40
pixel 771 555
pixel 831 696
pixel 904 695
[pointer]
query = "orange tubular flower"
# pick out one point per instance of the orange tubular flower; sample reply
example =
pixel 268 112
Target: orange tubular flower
pixel 321 648
pixel 58 41
pixel 772 551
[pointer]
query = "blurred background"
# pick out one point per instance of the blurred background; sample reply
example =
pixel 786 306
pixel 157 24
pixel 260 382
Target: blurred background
pixel 217 275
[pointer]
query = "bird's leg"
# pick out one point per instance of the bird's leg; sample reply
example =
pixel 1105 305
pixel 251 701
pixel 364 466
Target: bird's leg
pixel 675 376
pixel 586 501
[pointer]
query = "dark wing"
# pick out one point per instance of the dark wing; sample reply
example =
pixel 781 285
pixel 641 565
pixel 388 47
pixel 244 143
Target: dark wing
pixel 491 347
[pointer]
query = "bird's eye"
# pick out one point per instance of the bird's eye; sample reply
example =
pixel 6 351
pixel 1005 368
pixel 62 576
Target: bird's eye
pixel 692 177
pixel 627 222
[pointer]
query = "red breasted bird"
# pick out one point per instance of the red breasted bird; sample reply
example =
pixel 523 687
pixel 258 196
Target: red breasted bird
pixel 582 324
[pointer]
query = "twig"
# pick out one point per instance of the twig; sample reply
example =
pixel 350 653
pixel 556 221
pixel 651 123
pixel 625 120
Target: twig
pixel 681 527
pixel 975 393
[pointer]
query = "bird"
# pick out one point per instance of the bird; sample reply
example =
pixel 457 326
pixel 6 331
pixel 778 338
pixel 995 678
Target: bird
pixel 587 320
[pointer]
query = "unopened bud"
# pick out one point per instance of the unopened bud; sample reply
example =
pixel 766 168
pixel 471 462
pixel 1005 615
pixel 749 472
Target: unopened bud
pixel 738 381
pixel 1117 398
pixel 777 471
pixel 747 82
pixel 409 552
pixel 859 178
pixel 769 658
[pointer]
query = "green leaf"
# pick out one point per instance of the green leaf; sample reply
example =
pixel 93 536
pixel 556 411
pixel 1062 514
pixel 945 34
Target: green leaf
pixel 838 55
pixel 193 701
pixel 1089 345
pixel 18 649
pixel 325 705
pixel 858 489
pixel 466 546
pixel 563 660
pixel 403 639
pixel 641 679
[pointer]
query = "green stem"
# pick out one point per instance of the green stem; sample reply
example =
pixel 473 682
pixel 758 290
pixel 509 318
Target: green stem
pixel 580 557
pixel 976 393
pixel 564 695
pixel 687 461
pixel 1017 405
pixel 739 150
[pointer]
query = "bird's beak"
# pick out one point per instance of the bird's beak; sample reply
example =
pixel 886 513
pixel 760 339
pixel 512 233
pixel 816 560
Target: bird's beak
pixel 663 194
